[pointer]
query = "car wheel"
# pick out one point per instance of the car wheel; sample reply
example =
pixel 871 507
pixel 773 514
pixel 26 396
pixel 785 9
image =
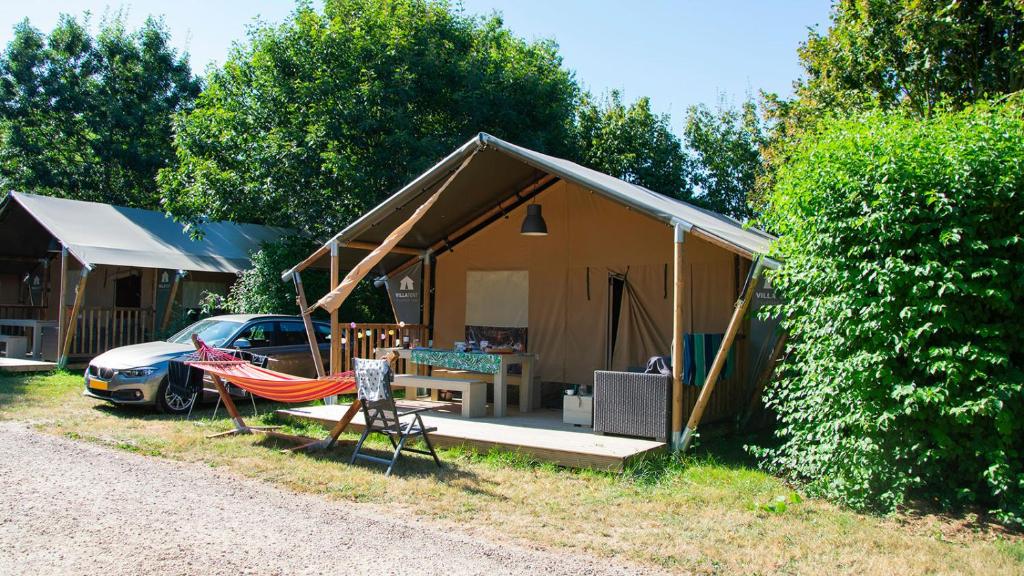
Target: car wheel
pixel 169 402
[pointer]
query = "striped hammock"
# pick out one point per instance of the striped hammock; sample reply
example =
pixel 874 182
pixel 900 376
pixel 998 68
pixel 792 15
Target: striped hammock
pixel 268 383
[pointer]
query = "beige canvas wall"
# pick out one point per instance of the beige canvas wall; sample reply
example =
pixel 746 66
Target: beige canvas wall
pixel 589 237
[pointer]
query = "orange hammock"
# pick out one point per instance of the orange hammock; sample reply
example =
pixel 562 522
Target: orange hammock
pixel 268 383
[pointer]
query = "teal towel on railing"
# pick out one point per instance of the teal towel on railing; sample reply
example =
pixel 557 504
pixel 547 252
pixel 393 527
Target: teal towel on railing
pixel 699 354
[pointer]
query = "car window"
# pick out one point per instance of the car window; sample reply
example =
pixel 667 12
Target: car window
pixel 292 334
pixel 323 333
pixel 212 331
pixel 259 335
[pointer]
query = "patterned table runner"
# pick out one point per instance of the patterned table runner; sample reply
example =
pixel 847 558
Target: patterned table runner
pixel 472 361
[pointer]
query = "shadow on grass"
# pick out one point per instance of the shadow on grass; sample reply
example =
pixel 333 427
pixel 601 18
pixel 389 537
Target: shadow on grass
pixel 721 448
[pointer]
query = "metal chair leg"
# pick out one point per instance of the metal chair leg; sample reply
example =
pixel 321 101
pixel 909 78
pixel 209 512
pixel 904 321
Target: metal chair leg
pixel 398 452
pixel 359 446
pixel 426 440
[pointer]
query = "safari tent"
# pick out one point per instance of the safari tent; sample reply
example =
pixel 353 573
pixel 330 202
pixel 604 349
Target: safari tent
pixel 618 271
pixel 122 274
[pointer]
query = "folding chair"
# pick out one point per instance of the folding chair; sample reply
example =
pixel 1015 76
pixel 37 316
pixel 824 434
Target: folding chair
pixel 373 381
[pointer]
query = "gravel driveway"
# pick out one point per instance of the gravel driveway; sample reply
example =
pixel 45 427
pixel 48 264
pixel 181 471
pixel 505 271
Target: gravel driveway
pixel 70 507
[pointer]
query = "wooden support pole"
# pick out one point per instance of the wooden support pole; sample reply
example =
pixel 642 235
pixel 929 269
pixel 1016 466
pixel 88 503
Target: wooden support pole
pixel 677 336
pixel 428 287
pixel 766 375
pixel 62 362
pixel 370 247
pixel 62 327
pixel 314 348
pixel 170 300
pixel 723 352
pixel 335 356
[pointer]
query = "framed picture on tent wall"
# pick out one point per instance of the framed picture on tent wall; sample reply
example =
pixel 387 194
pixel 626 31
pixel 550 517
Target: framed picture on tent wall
pixel 497 309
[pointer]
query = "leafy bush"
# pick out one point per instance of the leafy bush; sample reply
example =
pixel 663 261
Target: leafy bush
pixel 904 279
pixel 260 289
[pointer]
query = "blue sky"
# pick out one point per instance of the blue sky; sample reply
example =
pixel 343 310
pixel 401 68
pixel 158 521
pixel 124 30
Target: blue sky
pixel 678 52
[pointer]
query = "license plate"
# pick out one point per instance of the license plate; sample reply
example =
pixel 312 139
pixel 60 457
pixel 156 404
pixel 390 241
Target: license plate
pixel 97 384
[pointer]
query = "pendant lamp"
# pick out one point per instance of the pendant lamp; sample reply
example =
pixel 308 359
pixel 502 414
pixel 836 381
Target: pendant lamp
pixel 533 224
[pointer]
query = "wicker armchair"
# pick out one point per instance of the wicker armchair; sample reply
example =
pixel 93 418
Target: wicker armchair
pixel 632 404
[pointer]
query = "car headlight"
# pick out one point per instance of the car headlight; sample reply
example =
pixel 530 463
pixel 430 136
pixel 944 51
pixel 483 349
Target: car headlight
pixel 137 372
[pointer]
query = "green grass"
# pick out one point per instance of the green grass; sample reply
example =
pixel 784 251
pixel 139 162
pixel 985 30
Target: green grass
pixel 712 513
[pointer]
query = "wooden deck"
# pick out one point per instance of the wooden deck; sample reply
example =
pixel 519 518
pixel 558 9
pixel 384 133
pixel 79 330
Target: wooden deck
pixel 540 434
pixel 15 365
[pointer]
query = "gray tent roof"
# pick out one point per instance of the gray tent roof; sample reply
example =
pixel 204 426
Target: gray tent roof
pixel 104 234
pixel 498 172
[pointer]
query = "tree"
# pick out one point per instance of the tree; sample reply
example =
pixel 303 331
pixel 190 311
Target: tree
pixel 725 148
pixel 90 118
pixel 260 290
pixel 311 123
pixel 917 56
pixel 632 143
pixel 902 246
pixel 913 54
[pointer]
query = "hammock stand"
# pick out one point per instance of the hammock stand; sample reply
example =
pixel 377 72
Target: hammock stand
pixel 273 385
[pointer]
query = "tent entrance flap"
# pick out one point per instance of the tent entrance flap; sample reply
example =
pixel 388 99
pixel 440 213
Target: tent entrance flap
pixel 333 300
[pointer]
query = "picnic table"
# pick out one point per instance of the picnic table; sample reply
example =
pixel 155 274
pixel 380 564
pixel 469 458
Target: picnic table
pixel 480 362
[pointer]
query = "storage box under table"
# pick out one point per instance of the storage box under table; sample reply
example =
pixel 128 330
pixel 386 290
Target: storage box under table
pixel 577 409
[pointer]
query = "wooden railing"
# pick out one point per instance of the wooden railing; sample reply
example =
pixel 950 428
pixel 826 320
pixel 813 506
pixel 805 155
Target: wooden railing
pixel 101 329
pixel 363 339
pixel 22 312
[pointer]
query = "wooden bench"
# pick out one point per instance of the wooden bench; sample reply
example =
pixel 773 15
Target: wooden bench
pixel 533 393
pixel 474 392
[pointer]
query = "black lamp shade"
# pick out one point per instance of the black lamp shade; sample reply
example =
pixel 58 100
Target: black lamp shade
pixel 533 224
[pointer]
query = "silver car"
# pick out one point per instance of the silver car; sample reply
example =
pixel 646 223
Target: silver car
pixel 137 374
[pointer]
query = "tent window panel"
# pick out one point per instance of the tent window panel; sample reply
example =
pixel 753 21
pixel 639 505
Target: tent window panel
pixel 498 307
pixel 499 298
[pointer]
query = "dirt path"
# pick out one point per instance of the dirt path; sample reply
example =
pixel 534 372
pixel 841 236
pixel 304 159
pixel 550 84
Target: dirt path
pixel 69 507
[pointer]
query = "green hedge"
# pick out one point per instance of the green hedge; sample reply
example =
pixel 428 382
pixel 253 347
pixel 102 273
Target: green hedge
pixel 904 279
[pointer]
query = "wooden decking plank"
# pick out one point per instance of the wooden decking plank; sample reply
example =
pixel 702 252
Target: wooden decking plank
pixel 539 436
pixel 19 365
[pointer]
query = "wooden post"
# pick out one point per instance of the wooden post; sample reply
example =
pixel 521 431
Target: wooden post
pixel 62 328
pixel 427 288
pixel 153 324
pixel 170 299
pixel 764 378
pixel 335 326
pixel 314 348
pixel 723 352
pixel 62 362
pixel 677 336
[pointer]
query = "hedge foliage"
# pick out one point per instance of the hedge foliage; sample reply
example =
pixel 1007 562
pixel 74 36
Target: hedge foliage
pixel 904 280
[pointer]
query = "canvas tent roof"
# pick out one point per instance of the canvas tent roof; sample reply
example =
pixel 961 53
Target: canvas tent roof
pixel 497 173
pixel 97 233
